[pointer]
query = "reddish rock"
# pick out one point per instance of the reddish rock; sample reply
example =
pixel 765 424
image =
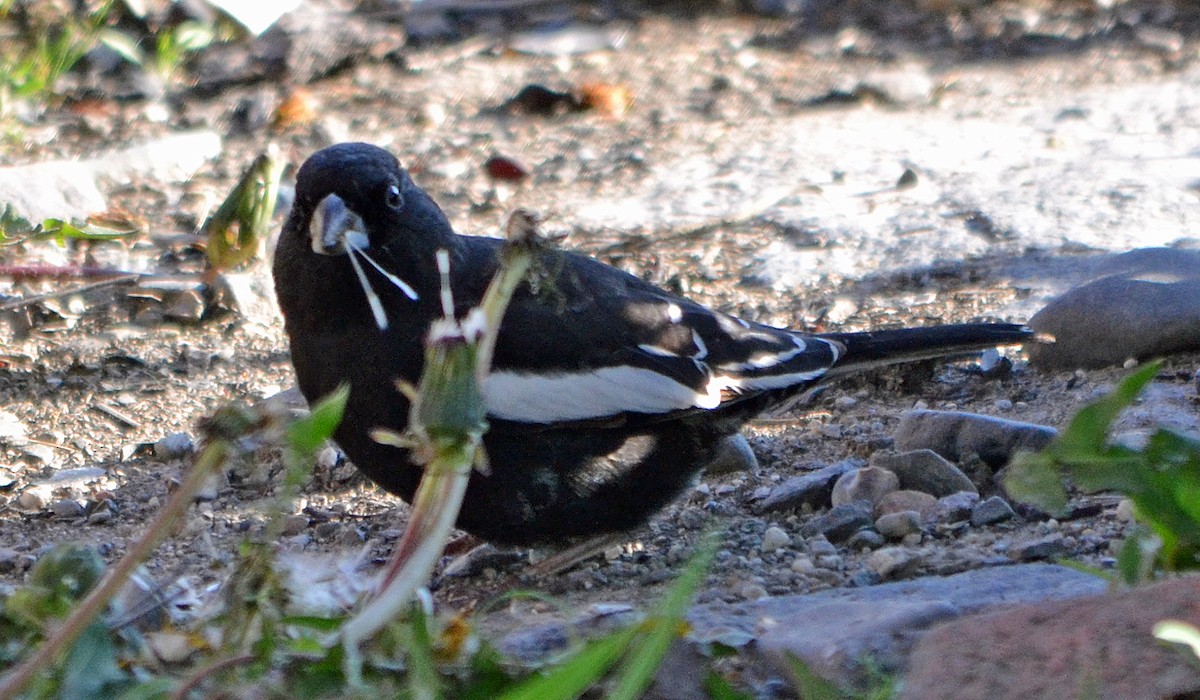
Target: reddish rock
pixel 1094 647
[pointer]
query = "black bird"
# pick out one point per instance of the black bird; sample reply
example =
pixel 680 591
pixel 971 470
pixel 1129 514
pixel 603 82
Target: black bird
pixel 607 394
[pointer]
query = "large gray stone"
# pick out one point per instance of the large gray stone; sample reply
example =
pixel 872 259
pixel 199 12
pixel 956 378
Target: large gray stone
pixel 924 470
pixel 957 435
pixel 1098 647
pixel 813 488
pixel 1111 320
pixel 833 631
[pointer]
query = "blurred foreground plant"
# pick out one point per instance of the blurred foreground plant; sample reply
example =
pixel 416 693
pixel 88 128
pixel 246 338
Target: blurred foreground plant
pixel 237 231
pixel 1162 479
pixel 39 45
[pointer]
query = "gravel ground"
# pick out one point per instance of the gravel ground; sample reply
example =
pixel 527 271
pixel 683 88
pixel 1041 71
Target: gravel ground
pixel 746 141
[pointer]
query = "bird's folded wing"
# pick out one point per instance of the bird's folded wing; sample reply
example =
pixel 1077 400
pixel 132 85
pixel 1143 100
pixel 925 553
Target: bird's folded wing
pixel 654 355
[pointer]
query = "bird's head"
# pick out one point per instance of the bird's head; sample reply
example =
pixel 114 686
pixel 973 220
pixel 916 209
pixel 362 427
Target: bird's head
pixel 354 200
pixel 350 195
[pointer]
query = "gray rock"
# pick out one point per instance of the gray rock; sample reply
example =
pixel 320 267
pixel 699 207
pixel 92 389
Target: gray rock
pixel 839 523
pixel 70 190
pixel 956 507
pixel 990 511
pixel 1088 647
pixel 537 643
pixel 896 525
pixel 681 674
pixel 100 517
pixel 67 509
pixel 774 539
pixel 834 630
pixel 865 539
pixel 735 456
pixel 1153 264
pixel 868 484
pixel 813 488
pixel 294 525
pixel 904 86
pixel 955 436
pixel 893 562
pixel 8 560
pixel 1111 320
pixel 1046 547
pixel 924 470
pixel 58 189
pixel 174 446
pixel 172 158
pixel 905 500
pixel 12 429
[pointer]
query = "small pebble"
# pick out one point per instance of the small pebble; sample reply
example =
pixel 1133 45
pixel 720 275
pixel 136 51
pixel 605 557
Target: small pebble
pixel 173 446
pixel 900 501
pixel 845 403
pixel 956 507
pixel 865 540
pixel 753 591
pixel 30 501
pixel 170 647
pixel 774 539
pixel 911 540
pixel 893 562
pixel 67 509
pixel 820 546
pixel 1125 510
pixel 1046 547
pixel 990 511
pixel 326 530
pixel 294 524
pixel 100 517
pixel 839 523
pixel 924 470
pixel 869 484
pixel 1003 405
pixel 803 565
pixel 8 560
pixel 899 525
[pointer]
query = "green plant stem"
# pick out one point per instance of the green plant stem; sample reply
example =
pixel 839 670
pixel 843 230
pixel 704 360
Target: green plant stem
pixel 453 452
pixel 95 602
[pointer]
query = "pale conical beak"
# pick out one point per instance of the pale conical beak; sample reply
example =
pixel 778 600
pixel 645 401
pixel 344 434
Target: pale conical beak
pixel 333 225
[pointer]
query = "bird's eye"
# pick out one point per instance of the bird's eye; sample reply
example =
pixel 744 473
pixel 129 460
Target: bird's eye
pixel 394 199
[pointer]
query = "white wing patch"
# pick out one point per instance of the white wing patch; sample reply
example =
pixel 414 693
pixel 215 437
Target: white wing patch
pixel 607 391
pixel 765 360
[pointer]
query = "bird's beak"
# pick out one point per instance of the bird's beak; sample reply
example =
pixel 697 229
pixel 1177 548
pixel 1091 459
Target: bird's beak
pixel 334 226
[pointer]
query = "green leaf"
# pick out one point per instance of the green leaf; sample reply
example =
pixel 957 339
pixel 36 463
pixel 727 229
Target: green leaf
pixel 239 226
pixel 62 231
pixel 1087 434
pixel 13 225
pixel 570 680
pixel 810 685
pixel 423 680
pixel 123 45
pixel 314 622
pixel 719 689
pixel 645 659
pixel 193 36
pixel 307 434
pixel 91 665
pixel 1035 479
pixel 60 578
pixel 157 688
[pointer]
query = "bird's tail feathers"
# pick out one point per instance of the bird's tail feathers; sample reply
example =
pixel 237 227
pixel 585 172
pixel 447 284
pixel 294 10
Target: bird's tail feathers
pixel 889 347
